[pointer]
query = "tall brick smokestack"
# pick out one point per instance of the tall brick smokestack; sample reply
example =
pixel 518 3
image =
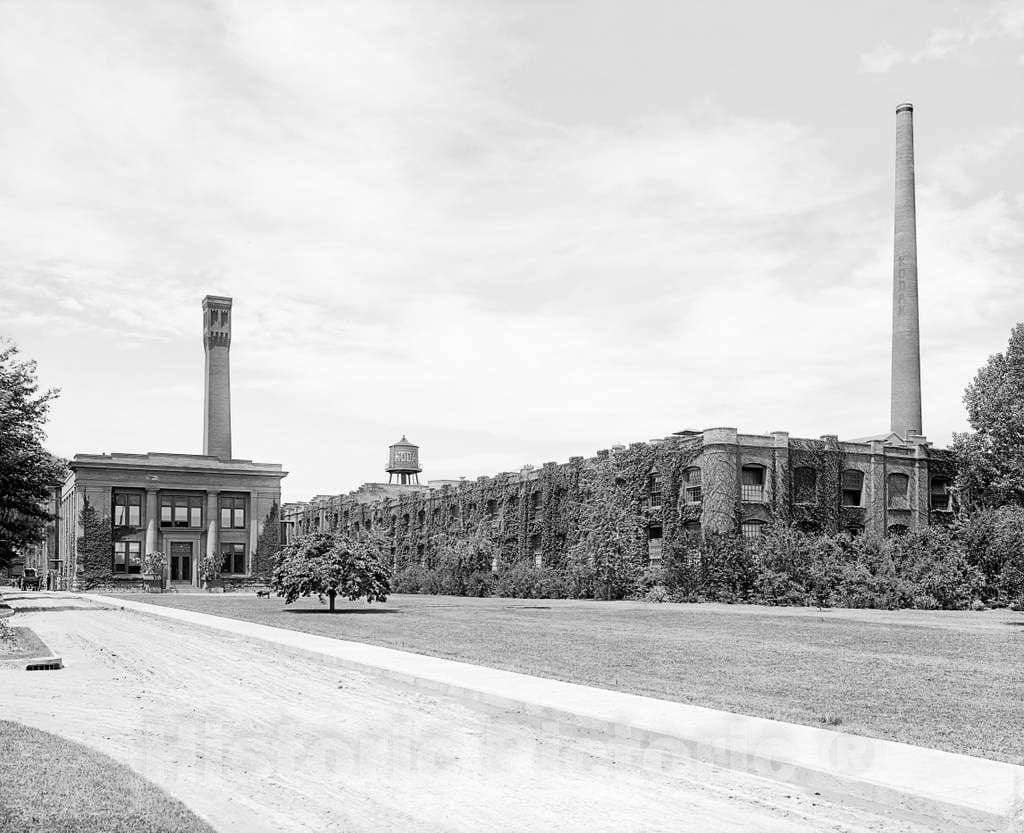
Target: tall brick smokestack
pixel 217 401
pixel 906 337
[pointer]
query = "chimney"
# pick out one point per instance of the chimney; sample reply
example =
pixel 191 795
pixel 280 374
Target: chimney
pixel 217 401
pixel 906 338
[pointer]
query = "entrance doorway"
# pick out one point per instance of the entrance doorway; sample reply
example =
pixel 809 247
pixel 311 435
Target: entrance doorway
pixel 181 561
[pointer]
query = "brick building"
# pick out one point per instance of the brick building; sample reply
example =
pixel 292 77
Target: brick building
pixel 185 506
pixel 679 487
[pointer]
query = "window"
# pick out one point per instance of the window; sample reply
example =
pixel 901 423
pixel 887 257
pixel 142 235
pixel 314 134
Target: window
pixel 853 487
pixel 535 501
pixel 940 494
pixel 898 529
pixel 492 508
pixel 691 533
pixel 854 531
pixel 181 511
pixel 692 491
pixel 654 538
pixel 654 489
pixel 805 485
pixel 899 485
pixel 127 509
pixel 752 484
pixel 232 512
pixel 234 558
pixel 751 529
pixel 369 524
pixel 421 517
pixel 127 556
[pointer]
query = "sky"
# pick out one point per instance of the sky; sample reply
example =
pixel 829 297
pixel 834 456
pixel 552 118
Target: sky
pixel 513 231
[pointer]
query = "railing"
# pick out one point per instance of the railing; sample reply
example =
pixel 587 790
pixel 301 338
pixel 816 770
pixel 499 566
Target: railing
pixel 752 493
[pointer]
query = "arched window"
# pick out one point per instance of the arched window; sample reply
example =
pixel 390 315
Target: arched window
pixel 899 486
pixel 692 485
pixel 853 487
pixel 805 485
pixel 535 500
pixel 421 516
pixel 405 521
pixel 940 494
pixel 752 529
pixel 369 524
pixel 492 508
pixel 752 484
pixel 654 489
pixel 355 526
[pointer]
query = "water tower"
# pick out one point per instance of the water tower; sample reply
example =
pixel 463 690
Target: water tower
pixel 404 463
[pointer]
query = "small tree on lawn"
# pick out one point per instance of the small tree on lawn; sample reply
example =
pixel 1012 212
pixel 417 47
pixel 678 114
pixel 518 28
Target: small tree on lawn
pixel 333 564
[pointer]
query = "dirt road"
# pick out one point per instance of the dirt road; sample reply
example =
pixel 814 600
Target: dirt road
pixel 254 739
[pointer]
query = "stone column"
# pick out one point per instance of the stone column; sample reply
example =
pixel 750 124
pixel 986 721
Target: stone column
pixel 152 521
pixel 212 523
pixel 906 338
pixel 721 490
pixel 780 495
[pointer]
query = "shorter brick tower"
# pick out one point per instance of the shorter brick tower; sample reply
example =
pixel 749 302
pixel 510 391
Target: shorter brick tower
pixel 217 400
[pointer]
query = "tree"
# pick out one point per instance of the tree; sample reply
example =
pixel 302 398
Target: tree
pixel 95 547
pixel 28 473
pixel 333 564
pixel 991 460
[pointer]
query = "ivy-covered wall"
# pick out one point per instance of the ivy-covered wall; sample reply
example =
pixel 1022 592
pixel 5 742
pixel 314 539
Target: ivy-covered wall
pixel 538 514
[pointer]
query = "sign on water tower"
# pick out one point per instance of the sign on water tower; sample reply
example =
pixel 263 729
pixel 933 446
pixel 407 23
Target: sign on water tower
pixel 404 463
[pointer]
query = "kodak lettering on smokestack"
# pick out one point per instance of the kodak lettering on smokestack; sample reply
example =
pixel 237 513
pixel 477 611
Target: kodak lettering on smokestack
pixel 906 337
pixel 217 403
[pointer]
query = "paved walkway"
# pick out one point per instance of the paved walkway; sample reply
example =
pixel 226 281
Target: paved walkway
pixel 260 737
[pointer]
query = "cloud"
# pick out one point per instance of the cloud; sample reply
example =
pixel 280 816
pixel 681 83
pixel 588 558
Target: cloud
pixel 410 248
pixel 1003 21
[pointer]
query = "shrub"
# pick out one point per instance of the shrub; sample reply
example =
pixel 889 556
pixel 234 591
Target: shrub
pixel 933 563
pixel 656 594
pixel 516 581
pixel 727 568
pixel 410 579
pixel 480 583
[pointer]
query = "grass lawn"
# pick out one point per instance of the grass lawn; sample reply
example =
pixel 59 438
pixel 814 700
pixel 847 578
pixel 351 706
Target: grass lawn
pixel 950 680
pixel 52 785
pixel 20 643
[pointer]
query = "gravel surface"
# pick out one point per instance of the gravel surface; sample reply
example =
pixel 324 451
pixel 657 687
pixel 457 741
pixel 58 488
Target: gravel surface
pixel 255 739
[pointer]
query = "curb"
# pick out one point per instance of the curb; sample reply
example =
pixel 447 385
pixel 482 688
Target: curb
pixel 958 791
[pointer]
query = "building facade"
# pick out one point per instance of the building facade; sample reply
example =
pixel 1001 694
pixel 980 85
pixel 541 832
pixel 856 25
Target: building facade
pixel 115 509
pixel 679 488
